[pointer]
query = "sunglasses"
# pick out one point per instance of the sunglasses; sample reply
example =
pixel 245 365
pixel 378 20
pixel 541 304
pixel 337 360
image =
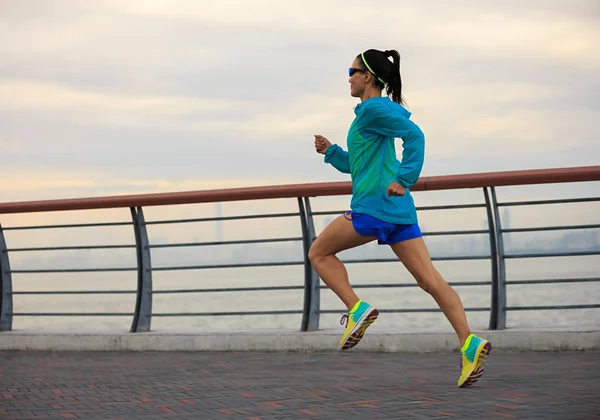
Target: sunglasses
pixel 353 70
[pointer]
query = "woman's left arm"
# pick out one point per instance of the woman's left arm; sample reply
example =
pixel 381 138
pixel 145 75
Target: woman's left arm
pixel 413 153
pixel 391 124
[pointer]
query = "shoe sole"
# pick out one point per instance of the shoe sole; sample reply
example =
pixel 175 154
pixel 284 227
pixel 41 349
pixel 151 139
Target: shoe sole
pixel 359 329
pixel 479 365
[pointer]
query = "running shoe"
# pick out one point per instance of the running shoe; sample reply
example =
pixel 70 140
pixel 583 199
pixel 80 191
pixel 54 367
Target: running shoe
pixel 473 357
pixel 357 321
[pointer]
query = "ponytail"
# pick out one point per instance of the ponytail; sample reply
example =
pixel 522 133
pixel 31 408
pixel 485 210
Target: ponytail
pixel 394 82
pixel 386 72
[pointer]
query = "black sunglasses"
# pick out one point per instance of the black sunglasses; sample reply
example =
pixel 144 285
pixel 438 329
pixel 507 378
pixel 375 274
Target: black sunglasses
pixel 353 70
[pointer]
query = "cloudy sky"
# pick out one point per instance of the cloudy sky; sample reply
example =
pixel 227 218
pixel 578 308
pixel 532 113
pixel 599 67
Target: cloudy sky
pixel 112 96
pixel 103 97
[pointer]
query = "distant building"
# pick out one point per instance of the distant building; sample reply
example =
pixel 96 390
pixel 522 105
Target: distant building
pixel 219 223
pixel 506 224
pixel 327 221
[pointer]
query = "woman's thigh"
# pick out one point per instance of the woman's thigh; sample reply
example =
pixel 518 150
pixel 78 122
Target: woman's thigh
pixel 338 236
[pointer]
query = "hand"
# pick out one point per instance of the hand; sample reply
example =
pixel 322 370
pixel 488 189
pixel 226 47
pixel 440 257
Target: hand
pixel 395 190
pixel 321 144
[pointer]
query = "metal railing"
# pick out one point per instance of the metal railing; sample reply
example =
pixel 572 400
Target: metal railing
pixel 143 313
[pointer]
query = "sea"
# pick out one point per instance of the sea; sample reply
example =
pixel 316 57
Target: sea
pixel 164 305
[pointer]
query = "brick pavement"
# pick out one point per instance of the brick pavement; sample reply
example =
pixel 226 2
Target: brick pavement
pixel 269 386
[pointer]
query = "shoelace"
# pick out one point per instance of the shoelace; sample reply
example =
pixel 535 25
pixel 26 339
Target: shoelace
pixel 344 318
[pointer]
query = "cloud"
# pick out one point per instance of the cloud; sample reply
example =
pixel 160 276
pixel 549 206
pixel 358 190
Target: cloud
pixel 65 183
pixel 16 94
pixel 168 92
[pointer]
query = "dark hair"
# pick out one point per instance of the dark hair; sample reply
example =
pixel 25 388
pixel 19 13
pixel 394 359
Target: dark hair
pixel 386 72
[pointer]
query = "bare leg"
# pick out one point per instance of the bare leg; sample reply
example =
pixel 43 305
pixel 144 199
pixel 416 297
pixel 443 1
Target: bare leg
pixel 336 237
pixel 415 257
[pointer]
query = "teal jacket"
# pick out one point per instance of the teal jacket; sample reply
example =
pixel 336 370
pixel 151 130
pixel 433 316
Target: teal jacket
pixel 371 159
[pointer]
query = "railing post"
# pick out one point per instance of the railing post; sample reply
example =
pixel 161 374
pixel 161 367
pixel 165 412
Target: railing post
pixel 501 265
pixel 6 302
pixel 494 264
pixel 311 310
pixel 143 305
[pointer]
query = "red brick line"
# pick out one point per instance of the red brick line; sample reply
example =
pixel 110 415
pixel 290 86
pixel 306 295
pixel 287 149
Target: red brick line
pixel 510 407
pixel 444 413
pixel 225 411
pixel 309 412
pixel 73 412
pixel 508 416
pixel 272 404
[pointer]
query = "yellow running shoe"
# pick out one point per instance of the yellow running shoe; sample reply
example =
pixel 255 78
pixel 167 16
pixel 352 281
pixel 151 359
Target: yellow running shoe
pixel 473 357
pixel 357 321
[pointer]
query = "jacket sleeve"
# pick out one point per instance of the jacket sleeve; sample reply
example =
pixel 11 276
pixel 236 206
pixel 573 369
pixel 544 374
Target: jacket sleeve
pixel 392 124
pixel 338 158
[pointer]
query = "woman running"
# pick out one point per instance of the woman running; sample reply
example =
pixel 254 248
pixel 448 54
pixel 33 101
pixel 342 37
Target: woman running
pixel 382 206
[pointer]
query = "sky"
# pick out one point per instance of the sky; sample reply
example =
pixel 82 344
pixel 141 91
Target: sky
pixel 106 97
pixel 110 97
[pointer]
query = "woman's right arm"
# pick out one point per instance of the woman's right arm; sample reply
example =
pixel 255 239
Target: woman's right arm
pixel 334 154
pixel 338 158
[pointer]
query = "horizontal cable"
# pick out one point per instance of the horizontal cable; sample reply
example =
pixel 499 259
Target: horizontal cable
pixel 274 288
pixel 78 225
pixel 77 292
pixel 328 213
pixel 243 265
pixel 235 289
pixel 549 228
pixel 74 270
pixel 551 307
pixel 447 207
pixel 72 314
pixel 429 310
pixel 267 288
pixel 295 312
pixel 217 219
pixel 247 265
pixel 393 285
pixel 555 254
pixel 554 281
pixel 407 310
pixel 451 206
pixel 241 313
pixel 296 239
pixel 538 202
pixel 240 242
pixel 73 247
pixel 433 258
pixel 232 289
pixel 288 263
pixel 457 232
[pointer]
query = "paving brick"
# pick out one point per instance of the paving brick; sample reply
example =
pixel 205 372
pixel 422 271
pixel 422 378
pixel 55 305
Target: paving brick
pixel 271 386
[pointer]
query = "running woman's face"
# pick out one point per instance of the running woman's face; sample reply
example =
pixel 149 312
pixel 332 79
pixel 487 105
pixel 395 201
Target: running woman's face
pixel 358 80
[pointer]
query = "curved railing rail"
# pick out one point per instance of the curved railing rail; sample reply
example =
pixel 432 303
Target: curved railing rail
pixel 449 182
pixel 310 311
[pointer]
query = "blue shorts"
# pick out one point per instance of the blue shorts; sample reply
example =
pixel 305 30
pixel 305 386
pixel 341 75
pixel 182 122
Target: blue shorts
pixel 386 233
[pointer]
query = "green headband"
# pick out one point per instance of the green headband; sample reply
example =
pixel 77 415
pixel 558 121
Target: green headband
pixel 371 70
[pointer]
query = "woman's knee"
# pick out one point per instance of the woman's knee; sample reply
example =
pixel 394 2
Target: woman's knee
pixel 315 255
pixel 429 280
pixel 424 283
